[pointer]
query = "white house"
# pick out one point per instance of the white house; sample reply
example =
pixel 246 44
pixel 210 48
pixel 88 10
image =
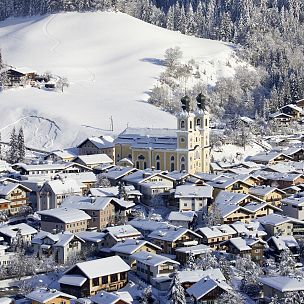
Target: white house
pixel 64 219
pixel 279 286
pixel 194 198
pixel 182 218
pixel 6 258
pixel 153 267
pixel 55 191
pixel 64 246
pixel 10 233
pixel 293 206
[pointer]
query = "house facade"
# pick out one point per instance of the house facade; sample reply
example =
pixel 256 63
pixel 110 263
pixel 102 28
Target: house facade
pixel 87 278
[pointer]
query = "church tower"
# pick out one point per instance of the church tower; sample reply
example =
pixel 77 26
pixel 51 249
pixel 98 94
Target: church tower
pixel 193 152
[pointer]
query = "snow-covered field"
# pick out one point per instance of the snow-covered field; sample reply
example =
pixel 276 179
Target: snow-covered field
pixel 111 61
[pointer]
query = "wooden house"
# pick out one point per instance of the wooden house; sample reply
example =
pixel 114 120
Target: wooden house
pixel 87 278
pixel 171 238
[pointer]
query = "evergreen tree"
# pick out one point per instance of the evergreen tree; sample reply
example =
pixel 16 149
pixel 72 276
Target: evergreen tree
pixel 176 293
pixel 231 297
pixel 207 261
pixel 147 296
pixel 191 262
pixel 20 146
pixel 12 156
pixel 214 216
pixel 287 265
pixel 122 194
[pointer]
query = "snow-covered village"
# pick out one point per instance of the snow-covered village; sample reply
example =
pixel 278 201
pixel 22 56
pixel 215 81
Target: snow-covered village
pixel 151 152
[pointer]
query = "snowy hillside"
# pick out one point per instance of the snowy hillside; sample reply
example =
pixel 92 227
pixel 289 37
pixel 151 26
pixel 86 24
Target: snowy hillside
pixel 111 61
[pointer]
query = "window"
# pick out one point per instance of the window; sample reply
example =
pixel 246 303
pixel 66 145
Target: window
pixel 95 282
pixel 190 125
pixel 172 163
pixel 182 124
pixel 182 165
pixel 114 277
pixel 105 280
pixel 123 276
pixel 157 162
pixel 198 122
pixel 182 139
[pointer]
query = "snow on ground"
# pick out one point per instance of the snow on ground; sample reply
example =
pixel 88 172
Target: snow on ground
pixel 232 152
pixel 111 61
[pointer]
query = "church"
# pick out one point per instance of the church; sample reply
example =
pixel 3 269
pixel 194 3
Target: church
pixel 186 148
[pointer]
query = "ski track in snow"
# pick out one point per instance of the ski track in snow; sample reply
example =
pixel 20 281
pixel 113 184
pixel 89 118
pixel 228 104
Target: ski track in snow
pixel 58 42
pixel 49 35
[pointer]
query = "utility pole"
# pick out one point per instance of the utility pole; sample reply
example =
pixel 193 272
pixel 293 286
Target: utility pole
pixel 111 124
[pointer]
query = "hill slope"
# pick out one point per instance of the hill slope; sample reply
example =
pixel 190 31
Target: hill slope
pixel 111 61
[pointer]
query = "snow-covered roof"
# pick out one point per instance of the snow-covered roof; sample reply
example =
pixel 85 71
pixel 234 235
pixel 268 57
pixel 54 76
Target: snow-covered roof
pixel 101 142
pixel 105 297
pixel 142 176
pixel 94 159
pixel 198 249
pixel 249 229
pixel 284 284
pixel 72 279
pixel 65 239
pixel 193 276
pixel 273 219
pixel 152 259
pixel 264 190
pixel 80 177
pixel 8 188
pixel 101 267
pixel 186 191
pixel 294 201
pixel 66 215
pixel 48 166
pixel 171 234
pixel 279 114
pixel 130 246
pixel 205 286
pixel 149 225
pixel 112 191
pixel 225 182
pixel 38 238
pixel 118 172
pixel 89 203
pixel 11 230
pixel 157 138
pixel 63 186
pixel 234 198
pixel 186 216
pixel 294 107
pixel 122 231
pixel 243 244
pixel 63 154
pixel 216 231
pixel 91 236
pixel 284 242
pixel 6 300
pixel 46 295
pixel 266 157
